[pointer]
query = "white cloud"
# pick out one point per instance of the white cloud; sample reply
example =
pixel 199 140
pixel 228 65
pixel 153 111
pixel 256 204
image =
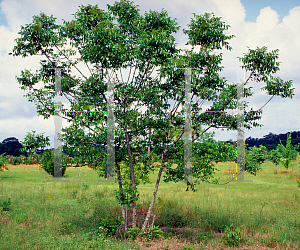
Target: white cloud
pixel 267 19
pixel 232 11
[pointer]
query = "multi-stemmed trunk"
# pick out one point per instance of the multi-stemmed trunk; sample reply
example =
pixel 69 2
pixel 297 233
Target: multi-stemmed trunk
pixel 123 209
pixel 132 177
pixel 146 222
pixel 149 144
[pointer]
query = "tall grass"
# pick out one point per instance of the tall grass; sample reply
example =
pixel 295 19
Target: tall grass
pixel 66 215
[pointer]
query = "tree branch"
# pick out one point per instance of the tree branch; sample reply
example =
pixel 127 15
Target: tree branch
pixel 71 63
pixel 266 103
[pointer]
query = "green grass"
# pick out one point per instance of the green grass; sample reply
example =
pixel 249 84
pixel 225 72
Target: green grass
pixel 65 215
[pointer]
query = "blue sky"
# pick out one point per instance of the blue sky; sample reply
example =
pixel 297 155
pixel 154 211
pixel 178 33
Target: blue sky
pixel 282 7
pixel 275 24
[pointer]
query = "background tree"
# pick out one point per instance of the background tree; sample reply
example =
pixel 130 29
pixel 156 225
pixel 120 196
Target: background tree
pixel 254 158
pixel 107 42
pixel 11 146
pixel 286 161
pixel 275 157
pixel 271 140
pixel 33 143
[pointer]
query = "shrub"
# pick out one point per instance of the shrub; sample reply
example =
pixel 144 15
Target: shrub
pixel 233 236
pixel 149 234
pixel 108 227
pixel 5 204
pixel 47 163
pixel 17 160
pixel 32 159
pixel 3 162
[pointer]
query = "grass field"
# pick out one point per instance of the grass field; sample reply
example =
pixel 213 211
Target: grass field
pixel 66 215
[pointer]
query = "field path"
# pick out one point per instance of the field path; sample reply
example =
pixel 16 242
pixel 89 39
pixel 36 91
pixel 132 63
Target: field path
pixel 23 166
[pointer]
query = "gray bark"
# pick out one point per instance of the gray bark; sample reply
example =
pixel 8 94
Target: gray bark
pixel 124 213
pixel 134 218
pixel 146 222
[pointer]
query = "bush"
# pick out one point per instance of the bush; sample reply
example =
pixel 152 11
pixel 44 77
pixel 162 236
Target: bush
pixel 17 160
pixel 233 236
pixel 149 234
pixel 47 163
pixel 5 204
pixel 32 159
pixel 108 227
pixel 3 162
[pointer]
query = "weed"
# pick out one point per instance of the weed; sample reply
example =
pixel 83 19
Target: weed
pixel 6 204
pixel 233 236
pixel 85 186
pixel 151 233
pixel 108 227
pixel 203 236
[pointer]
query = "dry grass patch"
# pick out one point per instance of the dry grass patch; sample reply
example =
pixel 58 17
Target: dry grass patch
pixel 174 243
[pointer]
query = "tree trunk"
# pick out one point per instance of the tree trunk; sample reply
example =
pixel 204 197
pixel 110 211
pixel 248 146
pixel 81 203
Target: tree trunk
pixel 136 141
pixel 124 213
pixel 156 188
pixel 146 222
pixel 149 143
pixel 132 177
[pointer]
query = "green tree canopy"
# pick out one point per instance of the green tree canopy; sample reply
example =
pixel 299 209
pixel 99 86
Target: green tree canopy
pixel 11 146
pixel 33 142
pixel 106 44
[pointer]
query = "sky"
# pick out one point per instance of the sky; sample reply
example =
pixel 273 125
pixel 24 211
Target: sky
pixel 275 24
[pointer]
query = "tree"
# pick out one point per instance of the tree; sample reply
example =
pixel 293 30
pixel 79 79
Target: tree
pixel 254 158
pixel 107 42
pixel 286 161
pixel 11 146
pixel 34 142
pixel 275 157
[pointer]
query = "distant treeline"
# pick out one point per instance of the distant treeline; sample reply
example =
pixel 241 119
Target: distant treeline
pixel 271 140
pixel 12 146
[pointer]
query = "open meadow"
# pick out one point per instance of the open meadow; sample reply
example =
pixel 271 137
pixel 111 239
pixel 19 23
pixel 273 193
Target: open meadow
pixel 66 215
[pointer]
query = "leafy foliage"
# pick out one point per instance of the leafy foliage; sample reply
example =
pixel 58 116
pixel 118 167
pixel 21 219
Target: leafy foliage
pixel 233 236
pixel 33 142
pixel 5 204
pixel 287 161
pixel 105 42
pixel 3 162
pixel 212 35
pixel 150 234
pixel 47 163
pixel 254 158
pixel 11 146
pixel 275 156
pixel 108 227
